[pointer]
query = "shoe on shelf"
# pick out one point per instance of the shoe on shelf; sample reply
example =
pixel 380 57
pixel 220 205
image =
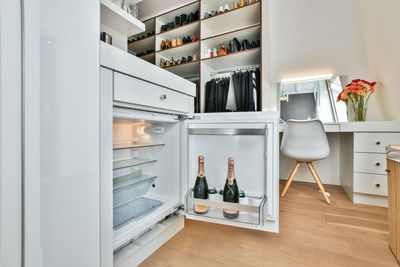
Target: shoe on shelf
pixel 223 51
pixel 220 10
pixel 184 40
pixel 167 63
pixel 226 8
pixel 191 17
pixel 194 38
pixel 173 62
pixel 214 12
pixel 168 44
pixel 184 19
pixel 197 15
pixel 195 57
pixel 258 43
pixel 173 43
pixel 149 34
pixel 162 63
pixel 234 46
pixel 242 3
pixel 178 62
pixel 215 52
pixel 184 60
pixel 171 25
pixel 178 21
pixel 207 14
pixel 246 44
pixel 163 45
pixel 179 42
pixel 189 39
pixel 153 33
pixel 251 2
pixel 235 5
pixel 164 28
pixel 190 59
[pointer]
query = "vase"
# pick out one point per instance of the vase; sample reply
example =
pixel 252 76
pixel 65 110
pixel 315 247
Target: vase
pixel 357 109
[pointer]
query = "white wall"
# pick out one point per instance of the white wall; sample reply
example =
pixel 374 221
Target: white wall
pixel 309 37
pixel 381 33
pixel 10 134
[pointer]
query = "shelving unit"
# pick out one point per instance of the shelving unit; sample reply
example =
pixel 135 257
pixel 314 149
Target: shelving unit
pixel 131 163
pixel 116 18
pixel 134 146
pixel 241 23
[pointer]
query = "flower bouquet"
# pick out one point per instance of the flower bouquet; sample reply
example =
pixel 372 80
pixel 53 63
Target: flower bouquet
pixel 357 93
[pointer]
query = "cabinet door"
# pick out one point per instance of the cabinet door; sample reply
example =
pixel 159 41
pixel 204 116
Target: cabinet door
pixel 252 141
pixel 61 133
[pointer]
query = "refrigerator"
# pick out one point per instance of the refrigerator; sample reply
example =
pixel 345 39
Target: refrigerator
pixel 149 166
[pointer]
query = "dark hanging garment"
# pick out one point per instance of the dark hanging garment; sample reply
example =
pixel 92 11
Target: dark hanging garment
pixel 251 89
pixel 207 96
pixel 245 94
pixel 238 92
pixel 258 88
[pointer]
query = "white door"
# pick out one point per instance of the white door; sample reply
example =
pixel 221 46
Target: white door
pixel 61 133
pixel 251 139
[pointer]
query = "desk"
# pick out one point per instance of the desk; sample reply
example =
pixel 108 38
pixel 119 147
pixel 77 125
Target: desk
pixel 356 162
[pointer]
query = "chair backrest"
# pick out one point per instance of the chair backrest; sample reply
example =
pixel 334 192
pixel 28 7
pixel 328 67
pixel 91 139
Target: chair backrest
pixel 305 140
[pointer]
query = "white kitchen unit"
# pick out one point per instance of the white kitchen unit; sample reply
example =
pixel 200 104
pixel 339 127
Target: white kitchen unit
pixel 150 142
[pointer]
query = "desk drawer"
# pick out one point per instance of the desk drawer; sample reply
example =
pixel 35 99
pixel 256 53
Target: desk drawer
pixel 370 163
pixel 373 184
pixel 374 142
pixel 134 91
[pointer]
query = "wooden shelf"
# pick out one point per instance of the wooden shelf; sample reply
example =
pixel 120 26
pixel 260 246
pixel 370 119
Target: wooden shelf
pixel 186 69
pixel 251 33
pixel 142 45
pixel 185 50
pixel 149 58
pixel 116 18
pixel 178 32
pixel 234 60
pixel 232 20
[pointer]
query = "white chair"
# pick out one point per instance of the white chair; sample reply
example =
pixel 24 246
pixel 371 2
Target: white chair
pixel 305 142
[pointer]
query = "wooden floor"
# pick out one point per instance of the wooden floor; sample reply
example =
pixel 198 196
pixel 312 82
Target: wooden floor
pixel 312 233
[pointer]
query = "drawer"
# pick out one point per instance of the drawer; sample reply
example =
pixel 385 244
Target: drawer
pixel 374 142
pixel 374 184
pixel 134 91
pixel 370 163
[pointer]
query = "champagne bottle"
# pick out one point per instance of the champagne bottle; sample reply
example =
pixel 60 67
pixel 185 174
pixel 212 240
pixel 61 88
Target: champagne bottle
pixel 200 188
pixel 231 191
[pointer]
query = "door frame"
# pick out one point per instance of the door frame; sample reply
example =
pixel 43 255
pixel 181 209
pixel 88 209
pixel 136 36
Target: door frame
pixel 10 134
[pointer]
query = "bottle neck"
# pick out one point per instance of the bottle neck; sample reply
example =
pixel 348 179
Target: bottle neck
pixel 200 172
pixel 231 172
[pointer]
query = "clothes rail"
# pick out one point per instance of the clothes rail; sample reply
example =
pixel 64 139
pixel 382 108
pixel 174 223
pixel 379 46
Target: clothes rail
pixel 252 67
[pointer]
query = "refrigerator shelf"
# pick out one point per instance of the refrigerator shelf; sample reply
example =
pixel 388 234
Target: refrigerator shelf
pixel 251 208
pixel 134 146
pixel 131 181
pixel 132 162
pixel 133 210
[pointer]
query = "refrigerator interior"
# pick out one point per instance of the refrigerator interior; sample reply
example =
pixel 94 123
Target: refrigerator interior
pixel 248 150
pixel 145 175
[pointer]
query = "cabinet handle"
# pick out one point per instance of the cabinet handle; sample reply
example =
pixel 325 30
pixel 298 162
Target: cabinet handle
pixel 377 164
pixel 163 97
pixel 387 170
pixel 377 185
pixel 378 143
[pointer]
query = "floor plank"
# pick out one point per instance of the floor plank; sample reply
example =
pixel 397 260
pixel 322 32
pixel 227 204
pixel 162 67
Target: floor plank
pixel 312 233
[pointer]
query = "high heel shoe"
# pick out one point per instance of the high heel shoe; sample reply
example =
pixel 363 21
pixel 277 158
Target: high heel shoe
pixel 184 19
pixel 220 10
pixel 226 8
pixel 173 43
pixel 163 45
pixel 178 21
pixel 173 62
pixel 179 42
pixel 167 64
pixel 242 3
pixel 234 46
pixel 235 5
pixel 162 63
pixel 167 44
pixel 246 44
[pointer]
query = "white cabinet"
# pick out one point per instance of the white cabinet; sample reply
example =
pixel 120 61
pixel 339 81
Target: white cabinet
pixel 147 185
pixel 363 165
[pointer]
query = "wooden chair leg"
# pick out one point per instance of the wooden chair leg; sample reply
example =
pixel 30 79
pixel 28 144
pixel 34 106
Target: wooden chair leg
pixel 319 183
pixel 290 179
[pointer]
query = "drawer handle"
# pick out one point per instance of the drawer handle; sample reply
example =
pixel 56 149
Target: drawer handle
pixel 378 143
pixel 377 185
pixel 377 164
pixel 163 97
pixel 387 170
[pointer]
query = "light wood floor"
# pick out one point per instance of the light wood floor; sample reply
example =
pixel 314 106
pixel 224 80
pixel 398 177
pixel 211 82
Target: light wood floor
pixel 312 233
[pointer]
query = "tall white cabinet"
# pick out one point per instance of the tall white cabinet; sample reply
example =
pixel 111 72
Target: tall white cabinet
pixel 61 209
